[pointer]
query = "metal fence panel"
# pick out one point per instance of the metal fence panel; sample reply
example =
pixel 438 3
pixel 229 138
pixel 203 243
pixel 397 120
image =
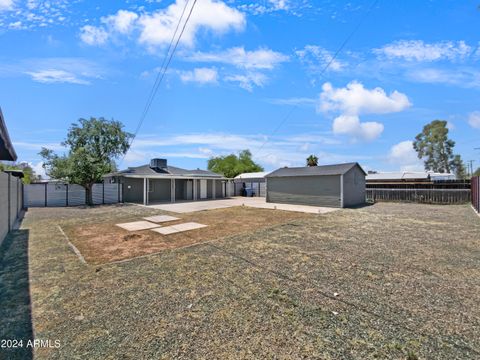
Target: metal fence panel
pixel 476 193
pixel 97 194
pixel 76 195
pixel 3 205
pixel 34 195
pixel 58 194
pixel 11 203
pixel 112 193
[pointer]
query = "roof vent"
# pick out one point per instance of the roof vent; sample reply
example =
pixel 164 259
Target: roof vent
pixel 158 163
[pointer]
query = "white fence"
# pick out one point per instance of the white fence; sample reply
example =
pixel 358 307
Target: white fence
pixel 57 194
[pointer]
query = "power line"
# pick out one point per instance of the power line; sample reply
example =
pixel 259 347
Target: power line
pixel 163 69
pixel 339 50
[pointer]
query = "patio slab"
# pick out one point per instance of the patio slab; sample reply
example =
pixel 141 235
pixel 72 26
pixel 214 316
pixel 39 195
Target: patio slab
pixel 161 218
pixel 138 225
pixel 167 230
pixel 256 202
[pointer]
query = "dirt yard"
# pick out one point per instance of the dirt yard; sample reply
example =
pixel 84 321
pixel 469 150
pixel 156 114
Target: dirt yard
pixel 389 281
pixel 101 241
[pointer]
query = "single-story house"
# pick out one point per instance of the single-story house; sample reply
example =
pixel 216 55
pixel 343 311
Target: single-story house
pixel 159 182
pixel 340 185
pixel 254 181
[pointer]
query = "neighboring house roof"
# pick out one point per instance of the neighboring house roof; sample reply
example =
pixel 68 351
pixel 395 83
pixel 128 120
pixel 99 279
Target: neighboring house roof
pixel 168 171
pixel 252 175
pixel 409 175
pixel 337 169
pixel 7 152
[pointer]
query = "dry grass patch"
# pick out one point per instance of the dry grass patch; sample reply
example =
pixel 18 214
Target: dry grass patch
pixel 103 242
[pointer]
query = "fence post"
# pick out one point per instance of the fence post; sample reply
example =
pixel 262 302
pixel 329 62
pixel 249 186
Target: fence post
pixel 46 194
pixel 103 192
pixel 66 193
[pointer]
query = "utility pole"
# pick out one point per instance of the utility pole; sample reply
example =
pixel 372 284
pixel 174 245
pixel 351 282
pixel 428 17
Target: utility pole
pixel 470 162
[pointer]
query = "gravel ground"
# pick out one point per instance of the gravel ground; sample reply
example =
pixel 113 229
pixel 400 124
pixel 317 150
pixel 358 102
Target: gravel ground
pixel 389 281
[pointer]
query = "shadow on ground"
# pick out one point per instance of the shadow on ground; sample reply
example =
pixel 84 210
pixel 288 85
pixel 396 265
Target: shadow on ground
pixel 15 305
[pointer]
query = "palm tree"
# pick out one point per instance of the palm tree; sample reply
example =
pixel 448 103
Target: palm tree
pixel 312 160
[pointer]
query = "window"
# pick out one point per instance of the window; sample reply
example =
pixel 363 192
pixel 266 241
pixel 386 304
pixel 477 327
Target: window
pixel 151 186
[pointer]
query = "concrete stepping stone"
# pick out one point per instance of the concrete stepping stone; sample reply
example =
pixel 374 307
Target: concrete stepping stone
pixel 161 218
pixel 172 229
pixel 138 225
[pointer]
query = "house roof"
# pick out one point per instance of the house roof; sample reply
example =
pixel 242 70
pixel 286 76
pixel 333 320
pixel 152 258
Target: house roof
pixel 168 171
pixel 252 175
pixel 7 152
pixel 408 175
pixel 336 169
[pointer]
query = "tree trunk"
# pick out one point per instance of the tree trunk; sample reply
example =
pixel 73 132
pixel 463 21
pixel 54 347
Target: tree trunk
pixel 89 194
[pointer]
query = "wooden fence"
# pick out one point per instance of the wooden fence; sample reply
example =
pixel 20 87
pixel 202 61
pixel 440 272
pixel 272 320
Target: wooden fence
pixel 427 196
pixel 476 193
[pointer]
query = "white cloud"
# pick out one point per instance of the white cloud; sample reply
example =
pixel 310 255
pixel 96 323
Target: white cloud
pixel 464 77
pixel 286 150
pixel 253 64
pixel 38 169
pixel 28 145
pixel 317 58
pixel 355 99
pixel 474 119
pixel 404 156
pixel 57 70
pixel 248 80
pixel 213 15
pixel 295 101
pixel 200 75
pixel 155 29
pixel 417 50
pixel 260 59
pixel 122 22
pixel 6 5
pixel 351 125
pixel 31 14
pixel 56 76
pixel 93 35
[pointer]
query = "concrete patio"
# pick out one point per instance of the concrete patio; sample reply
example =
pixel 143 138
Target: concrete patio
pixel 255 202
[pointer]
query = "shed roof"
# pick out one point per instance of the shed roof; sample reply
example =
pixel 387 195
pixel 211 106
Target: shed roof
pixel 7 152
pixel 336 169
pixel 252 175
pixel 168 171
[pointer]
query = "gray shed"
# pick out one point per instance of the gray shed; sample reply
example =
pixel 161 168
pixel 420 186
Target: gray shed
pixel 340 185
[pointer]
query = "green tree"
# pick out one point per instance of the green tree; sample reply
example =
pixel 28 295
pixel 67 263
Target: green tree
pixel 28 173
pixel 233 165
pixel 93 145
pixel 436 149
pixel 477 172
pixel 312 160
pixel 458 167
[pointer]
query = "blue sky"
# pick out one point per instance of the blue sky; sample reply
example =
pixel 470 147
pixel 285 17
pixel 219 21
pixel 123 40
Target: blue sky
pixel 245 75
